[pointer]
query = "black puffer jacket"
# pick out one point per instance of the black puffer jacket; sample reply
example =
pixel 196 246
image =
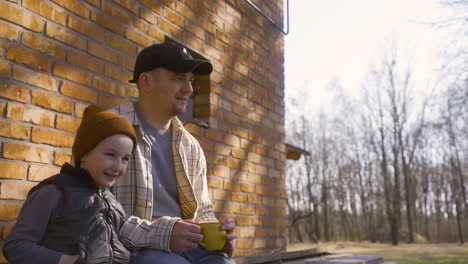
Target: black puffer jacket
pixel 86 221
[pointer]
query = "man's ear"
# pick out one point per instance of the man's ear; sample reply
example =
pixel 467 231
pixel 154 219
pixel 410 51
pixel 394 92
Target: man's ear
pixel 144 82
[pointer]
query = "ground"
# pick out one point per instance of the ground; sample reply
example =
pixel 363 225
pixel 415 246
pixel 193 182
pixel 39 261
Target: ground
pixel 402 254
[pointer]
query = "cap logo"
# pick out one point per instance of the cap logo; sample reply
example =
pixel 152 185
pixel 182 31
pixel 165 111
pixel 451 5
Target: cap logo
pixel 184 50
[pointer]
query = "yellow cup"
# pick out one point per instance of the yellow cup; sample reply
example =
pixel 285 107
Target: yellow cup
pixel 213 237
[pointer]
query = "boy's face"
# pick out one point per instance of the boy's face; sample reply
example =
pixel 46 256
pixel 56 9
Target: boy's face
pixel 108 161
pixel 169 90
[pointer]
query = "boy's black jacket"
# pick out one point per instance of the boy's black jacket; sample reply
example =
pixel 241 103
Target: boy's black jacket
pixel 87 220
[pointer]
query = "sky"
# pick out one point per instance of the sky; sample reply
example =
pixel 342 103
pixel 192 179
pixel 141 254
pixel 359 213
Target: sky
pixel 337 41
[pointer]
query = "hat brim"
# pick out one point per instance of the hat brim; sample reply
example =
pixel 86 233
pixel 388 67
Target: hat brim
pixel 201 67
pixel 196 66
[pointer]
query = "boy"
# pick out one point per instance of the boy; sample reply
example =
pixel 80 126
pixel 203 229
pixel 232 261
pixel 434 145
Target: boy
pixel 72 217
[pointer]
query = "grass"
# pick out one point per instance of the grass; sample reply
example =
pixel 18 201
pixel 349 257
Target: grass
pixel 402 254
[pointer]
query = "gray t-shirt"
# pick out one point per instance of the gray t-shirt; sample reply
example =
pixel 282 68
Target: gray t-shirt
pixel 165 194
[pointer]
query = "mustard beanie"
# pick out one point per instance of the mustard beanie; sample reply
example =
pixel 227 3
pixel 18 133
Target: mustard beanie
pixel 96 125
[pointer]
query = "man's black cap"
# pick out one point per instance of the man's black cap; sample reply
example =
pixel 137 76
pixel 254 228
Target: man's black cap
pixel 169 56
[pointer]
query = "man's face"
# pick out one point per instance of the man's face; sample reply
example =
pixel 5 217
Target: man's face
pixel 170 91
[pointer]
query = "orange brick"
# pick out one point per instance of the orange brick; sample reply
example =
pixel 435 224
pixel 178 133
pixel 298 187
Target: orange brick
pixel 244 243
pixel 221 171
pixel 12 170
pixel 79 108
pixel 47 10
pixel 72 74
pixel 121 44
pixel 13 130
pixel 253 157
pixel 231 185
pixel 239 197
pixel 8 31
pixel 76 7
pixel 185 11
pixel 103 53
pixel 85 61
pixel 247 166
pixel 51 137
pixel 243 220
pixel 95 3
pixel 247 188
pixel 138 38
pixel 16 15
pixel 61 157
pixel 214 135
pixel 4 69
pixel 247 232
pixel 117 12
pixel 254 198
pixel 140 24
pixel 38 173
pixel 196 30
pixel 65 35
pixel 215 182
pixel 14 190
pixel 239 154
pixel 53 102
pixel 44 45
pixel 262 170
pixel 28 57
pixel 132 92
pixel 167 27
pixel 231 163
pixel 6 232
pixel 106 22
pixel 25 152
pixel 104 85
pixel 67 123
pixel 78 92
pixel 198 131
pixel 173 17
pixel 118 74
pixel 9 211
pixel 14 92
pixel 85 27
pixel 34 78
pixel 259 243
pixel 220 195
pixel 227 208
pixel 153 5
pixel 232 140
pixel 128 4
pixel 128 62
pixel 109 101
pixel 223 149
pixel 156 33
pixel 27 113
pixel 148 15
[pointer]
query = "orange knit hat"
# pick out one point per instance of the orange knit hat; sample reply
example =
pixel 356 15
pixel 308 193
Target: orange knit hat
pixel 96 125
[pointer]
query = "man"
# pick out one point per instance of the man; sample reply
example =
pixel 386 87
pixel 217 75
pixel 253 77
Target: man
pixel 166 179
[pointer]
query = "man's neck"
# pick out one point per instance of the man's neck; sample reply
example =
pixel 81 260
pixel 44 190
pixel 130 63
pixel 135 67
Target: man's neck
pixel 154 118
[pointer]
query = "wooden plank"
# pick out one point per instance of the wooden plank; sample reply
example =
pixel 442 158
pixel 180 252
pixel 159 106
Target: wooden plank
pixel 287 255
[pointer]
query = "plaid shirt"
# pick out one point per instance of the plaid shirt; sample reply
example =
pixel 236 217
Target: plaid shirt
pixel 135 189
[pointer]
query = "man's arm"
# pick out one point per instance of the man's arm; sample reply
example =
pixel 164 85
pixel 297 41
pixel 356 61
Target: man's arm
pixel 141 233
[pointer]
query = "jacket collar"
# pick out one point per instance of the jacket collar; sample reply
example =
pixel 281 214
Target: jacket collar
pixel 80 176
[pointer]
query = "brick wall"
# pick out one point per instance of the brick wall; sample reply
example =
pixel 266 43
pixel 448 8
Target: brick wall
pixel 57 56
